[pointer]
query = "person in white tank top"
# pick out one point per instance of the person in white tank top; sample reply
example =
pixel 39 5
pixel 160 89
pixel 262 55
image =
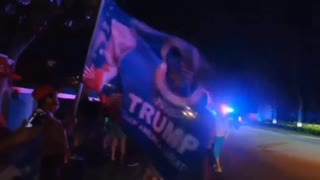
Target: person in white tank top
pixel 222 126
pixel 221 133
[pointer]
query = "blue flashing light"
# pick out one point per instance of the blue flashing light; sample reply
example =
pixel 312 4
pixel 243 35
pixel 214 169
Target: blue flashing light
pixel 226 109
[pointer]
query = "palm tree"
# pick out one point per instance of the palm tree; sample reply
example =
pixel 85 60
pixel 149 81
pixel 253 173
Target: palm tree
pixel 296 73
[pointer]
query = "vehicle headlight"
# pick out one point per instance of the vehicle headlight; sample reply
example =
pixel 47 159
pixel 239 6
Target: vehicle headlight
pixel 189 114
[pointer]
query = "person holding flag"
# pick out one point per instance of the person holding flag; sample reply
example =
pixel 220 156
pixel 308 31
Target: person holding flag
pixel 163 96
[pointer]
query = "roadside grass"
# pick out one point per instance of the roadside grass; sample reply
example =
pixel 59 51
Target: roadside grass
pixel 312 128
pixel 307 128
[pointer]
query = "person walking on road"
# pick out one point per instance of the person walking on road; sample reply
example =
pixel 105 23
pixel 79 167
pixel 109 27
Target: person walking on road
pixel 221 133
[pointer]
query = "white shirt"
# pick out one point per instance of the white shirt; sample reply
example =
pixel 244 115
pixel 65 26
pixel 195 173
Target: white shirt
pixel 222 127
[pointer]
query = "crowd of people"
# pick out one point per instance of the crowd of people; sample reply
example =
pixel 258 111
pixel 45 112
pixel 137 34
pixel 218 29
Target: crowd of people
pixel 40 147
pixel 44 145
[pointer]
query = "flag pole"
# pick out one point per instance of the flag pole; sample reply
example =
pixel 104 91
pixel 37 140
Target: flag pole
pixel 77 101
pixel 80 90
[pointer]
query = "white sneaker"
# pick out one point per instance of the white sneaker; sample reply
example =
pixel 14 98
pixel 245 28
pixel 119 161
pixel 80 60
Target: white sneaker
pixel 134 164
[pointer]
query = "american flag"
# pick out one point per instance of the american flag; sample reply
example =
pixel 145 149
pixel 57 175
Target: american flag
pixel 89 72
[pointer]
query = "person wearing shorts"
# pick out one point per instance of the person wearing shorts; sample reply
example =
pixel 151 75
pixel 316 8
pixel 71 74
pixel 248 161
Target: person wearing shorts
pixel 117 136
pixel 113 106
pixel 221 132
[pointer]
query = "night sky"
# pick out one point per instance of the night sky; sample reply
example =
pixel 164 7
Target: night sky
pixel 262 51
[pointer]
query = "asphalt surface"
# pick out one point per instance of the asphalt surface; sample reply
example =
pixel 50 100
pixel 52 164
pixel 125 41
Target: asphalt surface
pixel 249 154
pixel 252 153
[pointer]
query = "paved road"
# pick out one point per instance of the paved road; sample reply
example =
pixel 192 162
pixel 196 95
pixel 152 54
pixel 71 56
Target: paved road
pixel 249 154
pixel 252 153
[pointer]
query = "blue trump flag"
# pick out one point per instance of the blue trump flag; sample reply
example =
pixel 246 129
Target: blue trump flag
pixel 163 97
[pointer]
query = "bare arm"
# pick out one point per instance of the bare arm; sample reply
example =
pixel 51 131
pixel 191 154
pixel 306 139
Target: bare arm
pixel 21 136
pixel 67 148
pixel 24 134
pixel 66 142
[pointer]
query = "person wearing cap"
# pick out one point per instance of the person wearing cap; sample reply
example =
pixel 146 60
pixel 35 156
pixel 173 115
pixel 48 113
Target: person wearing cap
pixel 45 132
